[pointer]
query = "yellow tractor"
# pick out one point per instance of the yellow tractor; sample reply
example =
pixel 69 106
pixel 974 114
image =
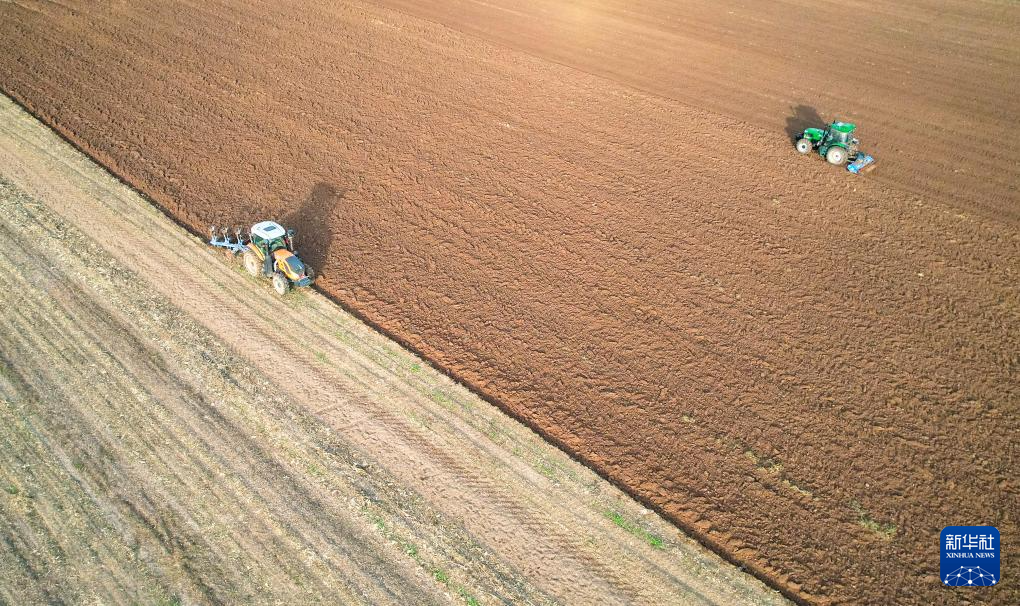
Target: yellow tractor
pixel 269 252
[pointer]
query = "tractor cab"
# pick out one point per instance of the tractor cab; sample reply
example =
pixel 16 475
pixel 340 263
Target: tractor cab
pixel 269 241
pixel 269 236
pixel 840 133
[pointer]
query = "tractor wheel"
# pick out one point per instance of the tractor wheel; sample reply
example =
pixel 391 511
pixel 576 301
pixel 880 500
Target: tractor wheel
pixel 280 283
pixel 836 155
pixel 252 263
pixel 804 146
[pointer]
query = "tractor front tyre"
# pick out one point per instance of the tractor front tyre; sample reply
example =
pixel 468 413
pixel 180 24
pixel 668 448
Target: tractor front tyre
pixel 280 283
pixel 252 263
pixel 836 155
pixel 804 146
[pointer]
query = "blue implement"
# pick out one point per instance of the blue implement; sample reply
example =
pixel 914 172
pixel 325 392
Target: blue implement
pixel 235 245
pixel 862 162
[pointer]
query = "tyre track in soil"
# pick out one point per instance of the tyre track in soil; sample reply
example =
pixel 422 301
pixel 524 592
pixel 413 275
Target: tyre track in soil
pixel 211 449
pixel 155 477
pixel 765 343
pixel 498 497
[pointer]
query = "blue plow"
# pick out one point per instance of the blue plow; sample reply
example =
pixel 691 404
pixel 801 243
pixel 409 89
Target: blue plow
pixel 235 245
pixel 862 163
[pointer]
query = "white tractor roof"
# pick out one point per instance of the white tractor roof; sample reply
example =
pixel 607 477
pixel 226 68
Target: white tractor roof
pixel 268 230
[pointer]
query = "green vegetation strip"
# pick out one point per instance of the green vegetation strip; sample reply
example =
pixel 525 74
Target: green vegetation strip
pixel 633 528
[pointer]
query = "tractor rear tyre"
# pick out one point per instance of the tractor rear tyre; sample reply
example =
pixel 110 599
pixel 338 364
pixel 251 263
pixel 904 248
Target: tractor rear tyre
pixel 252 263
pixel 280 283
pixel 804 146
pixel 836 155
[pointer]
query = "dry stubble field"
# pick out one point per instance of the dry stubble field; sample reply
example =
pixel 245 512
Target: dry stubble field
pixel 811 372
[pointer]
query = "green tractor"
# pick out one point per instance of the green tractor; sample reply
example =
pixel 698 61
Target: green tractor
pixel 836 144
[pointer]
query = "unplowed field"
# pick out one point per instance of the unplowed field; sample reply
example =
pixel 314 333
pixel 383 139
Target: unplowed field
pixel 813 372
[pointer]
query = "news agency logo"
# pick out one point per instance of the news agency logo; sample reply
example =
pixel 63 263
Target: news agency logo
pixel 970 556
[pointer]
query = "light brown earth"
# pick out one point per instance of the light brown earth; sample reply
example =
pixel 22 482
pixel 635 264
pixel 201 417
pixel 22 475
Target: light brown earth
pixel 812 372
pixel 174 433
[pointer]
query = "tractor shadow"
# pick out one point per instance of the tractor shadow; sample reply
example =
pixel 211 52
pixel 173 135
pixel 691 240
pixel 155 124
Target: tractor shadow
pixel 803 117
pixel 312 222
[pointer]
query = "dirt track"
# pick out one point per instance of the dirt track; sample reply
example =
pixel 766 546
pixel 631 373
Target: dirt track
pixel 813 372
pixel 144 461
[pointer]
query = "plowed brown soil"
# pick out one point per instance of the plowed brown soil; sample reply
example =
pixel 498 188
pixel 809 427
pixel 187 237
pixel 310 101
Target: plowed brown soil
pixel 813 372
pixel 932 83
